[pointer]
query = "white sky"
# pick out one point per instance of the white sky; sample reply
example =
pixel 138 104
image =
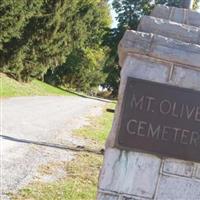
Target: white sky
pixel 113 14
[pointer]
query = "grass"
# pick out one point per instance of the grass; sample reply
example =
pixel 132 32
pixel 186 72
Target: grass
pixel 82 172
pixel 80 184
pixel 101 126
pixel 13 88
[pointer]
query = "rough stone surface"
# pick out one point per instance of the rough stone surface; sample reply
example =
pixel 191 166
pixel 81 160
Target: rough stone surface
pixel 178 188
pixel 133 198
pixel 125 172
pixel 197 173
pixel 187 78
pixel 147 68
pixel 134 175
pixel 103 196
pixel 178 15
pixel 178 167
pixel 135 67
pixel 116 176
pixel 170 29
pixel 114 196
pixel 156 46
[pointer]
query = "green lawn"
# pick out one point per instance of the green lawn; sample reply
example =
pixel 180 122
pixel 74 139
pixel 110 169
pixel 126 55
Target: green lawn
pixel 13 88
pixel 81 181
pixel 101 126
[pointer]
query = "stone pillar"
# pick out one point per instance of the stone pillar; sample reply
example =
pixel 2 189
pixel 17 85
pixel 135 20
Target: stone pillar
pixel 188 4
pixel 166 50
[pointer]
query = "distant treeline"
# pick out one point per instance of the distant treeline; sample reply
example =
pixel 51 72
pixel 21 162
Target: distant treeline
pixel 67 42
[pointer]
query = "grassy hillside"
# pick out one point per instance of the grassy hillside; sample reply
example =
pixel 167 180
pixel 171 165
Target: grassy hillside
pixel 11 88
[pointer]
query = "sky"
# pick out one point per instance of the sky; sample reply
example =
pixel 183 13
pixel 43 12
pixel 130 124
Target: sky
pixel 113 14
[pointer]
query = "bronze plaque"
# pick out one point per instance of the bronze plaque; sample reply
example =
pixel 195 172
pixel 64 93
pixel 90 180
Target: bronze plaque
pixel 160 119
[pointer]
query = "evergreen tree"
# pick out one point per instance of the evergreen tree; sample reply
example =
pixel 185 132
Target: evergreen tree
pixel 14 17
pixel 47 32
pixel 83 68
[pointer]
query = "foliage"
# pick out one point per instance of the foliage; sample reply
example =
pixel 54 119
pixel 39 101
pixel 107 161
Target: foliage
pixel 196 4
pixel 67 42
pixel 14 16
pixel 41 34
pixel 129 13
pixel 83 66
pixel 82 69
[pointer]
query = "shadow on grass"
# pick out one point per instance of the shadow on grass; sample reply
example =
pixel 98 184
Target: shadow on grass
pixel 52 145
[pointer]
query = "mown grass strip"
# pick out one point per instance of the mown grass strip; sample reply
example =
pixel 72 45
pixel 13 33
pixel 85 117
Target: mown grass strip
pixel 80 184
pixel 82 172
pixel 99 128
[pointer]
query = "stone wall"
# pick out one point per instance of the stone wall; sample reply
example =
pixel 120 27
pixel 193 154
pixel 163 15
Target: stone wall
pixel 179 15
pixel 133 175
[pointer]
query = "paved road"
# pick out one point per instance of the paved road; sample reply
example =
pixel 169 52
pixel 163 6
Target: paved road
pixel 46 120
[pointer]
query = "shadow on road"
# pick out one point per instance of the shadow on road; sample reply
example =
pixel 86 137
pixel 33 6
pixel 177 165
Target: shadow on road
pixel 52 145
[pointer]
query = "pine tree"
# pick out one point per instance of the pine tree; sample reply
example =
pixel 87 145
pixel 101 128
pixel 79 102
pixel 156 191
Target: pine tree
pixel 43 33
pixel 83 68
pixel 14 17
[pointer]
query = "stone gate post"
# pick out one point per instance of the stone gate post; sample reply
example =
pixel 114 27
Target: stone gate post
pixel 153 150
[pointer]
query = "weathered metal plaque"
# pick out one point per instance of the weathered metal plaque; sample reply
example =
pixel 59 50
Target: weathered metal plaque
pixel 160 119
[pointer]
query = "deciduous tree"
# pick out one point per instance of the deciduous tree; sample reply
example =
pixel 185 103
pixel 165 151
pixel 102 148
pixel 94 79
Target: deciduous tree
pixel 129 12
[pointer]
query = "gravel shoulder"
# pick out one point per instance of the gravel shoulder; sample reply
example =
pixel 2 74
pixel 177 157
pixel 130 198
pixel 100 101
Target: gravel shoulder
pixel 47 120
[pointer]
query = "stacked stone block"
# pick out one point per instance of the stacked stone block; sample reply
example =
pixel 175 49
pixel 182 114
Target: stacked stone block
pixel 165 49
